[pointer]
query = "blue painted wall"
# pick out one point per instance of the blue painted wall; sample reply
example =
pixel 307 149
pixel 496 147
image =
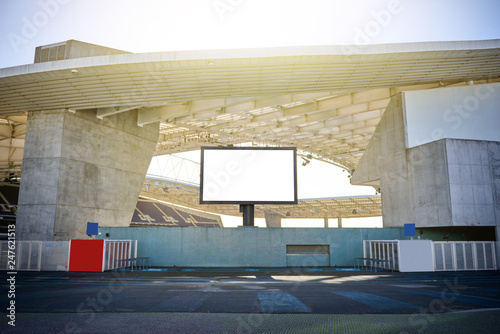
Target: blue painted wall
pixel 245 247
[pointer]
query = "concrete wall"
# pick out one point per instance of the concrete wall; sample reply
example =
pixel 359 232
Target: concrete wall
pixel 79 169
pixel 474 181
pixel 245 247
pixel 428 187
pixel 446 182
pixel 72 49
pixel 385 164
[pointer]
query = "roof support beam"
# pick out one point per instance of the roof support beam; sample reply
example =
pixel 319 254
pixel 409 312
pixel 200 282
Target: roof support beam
pixel 156 114
pixel 226 105
pixel 103 112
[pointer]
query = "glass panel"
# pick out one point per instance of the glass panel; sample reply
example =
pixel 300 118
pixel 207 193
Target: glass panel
pixel 489 256
pixel 480 256
pixel 448 256
pixel 469 258
pixel 35 255
pixel 459 251
pixel 438 253
pixel 24 257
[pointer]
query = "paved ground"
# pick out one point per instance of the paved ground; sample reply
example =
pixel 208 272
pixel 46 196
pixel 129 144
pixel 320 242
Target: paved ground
pixel 254 301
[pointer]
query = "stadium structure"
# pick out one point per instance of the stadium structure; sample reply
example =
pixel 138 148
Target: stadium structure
pixel 417 121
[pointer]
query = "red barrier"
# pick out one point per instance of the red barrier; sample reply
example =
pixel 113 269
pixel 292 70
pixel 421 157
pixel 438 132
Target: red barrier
pixel 86 255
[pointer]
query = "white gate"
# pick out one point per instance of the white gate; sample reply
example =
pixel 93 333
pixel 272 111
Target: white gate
pixel 28 255
pixel 447 255
pixel 54 255
pixel 464 255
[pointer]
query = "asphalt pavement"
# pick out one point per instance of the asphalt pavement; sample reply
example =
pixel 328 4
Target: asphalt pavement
pixel 253 300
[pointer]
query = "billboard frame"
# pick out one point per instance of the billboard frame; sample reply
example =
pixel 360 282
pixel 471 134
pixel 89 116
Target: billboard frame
pixel 293 149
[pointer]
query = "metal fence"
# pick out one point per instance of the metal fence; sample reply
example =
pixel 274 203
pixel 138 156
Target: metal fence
pixel 448 255
pixel 54 255
pixel 382 254
pixel 464 255
pixel 37 255
pixel 116 253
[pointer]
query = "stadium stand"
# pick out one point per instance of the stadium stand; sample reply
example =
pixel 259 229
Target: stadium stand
pixel 147 213
pixel 153 213
pixel 8 207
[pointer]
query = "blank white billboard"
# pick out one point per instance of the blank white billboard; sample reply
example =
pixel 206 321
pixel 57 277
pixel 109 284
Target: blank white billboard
pixel 463 112
pixel 248 175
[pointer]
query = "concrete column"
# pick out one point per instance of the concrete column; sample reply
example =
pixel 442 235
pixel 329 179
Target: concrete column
pixel 497 246
pixel 339 219
pixel 272 219
pixel 325 222
pixel 78 169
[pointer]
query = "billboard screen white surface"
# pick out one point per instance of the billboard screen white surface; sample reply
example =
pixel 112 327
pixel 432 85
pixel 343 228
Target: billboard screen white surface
pixel 248 175
pixel 463 112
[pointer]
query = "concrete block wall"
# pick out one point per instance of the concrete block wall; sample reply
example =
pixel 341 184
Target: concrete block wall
pixel 428 187
pixel 245 247
pixel 79 169
pixel 447 182
pixel 72 49
pixel 385 164
pixel 474 181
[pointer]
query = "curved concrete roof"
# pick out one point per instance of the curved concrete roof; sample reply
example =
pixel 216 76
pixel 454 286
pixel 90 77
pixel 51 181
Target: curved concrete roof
pixel 325 100
pixel 155 78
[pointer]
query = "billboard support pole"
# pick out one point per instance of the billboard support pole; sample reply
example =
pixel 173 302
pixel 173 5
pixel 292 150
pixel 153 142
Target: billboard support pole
pixel 248 214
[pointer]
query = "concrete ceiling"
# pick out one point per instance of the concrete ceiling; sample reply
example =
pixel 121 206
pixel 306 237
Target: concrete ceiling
pixel 325 100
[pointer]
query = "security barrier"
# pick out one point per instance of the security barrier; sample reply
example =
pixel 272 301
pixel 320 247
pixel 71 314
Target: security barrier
pixel 55 255
pixel 464 255
pixel 116 251
pixel 442 255
pixel 28 255
pixel 381 254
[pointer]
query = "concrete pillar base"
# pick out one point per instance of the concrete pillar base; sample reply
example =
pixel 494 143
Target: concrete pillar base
pixel 273 219
pixel 79 169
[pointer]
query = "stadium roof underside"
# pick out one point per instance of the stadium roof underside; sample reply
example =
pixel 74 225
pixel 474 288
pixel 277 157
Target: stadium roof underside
pixel 324 100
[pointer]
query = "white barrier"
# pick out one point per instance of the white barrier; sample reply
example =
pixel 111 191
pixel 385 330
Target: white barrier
pixel 54 255
pixel 116 251
pixel 464 255
pixel 442 255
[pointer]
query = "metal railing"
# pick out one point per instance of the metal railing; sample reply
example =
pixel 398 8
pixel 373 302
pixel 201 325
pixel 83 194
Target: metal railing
pixel 447 255
pixel 135 263
pixel 54 255
pixel 464 255
pixel 37 255
pixel 117 250
pixel 381 254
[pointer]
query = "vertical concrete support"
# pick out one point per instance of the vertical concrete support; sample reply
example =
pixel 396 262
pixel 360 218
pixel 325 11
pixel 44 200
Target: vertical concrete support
pixel 339 219
pixel 497 246
pixel 440 183
pixel 494 155
pixel 79 169
pixel 272 219
pixel 325 222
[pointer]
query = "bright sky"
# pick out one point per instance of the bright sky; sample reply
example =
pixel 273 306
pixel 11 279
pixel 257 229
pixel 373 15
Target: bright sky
pixel 315 180
pixel 174 25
